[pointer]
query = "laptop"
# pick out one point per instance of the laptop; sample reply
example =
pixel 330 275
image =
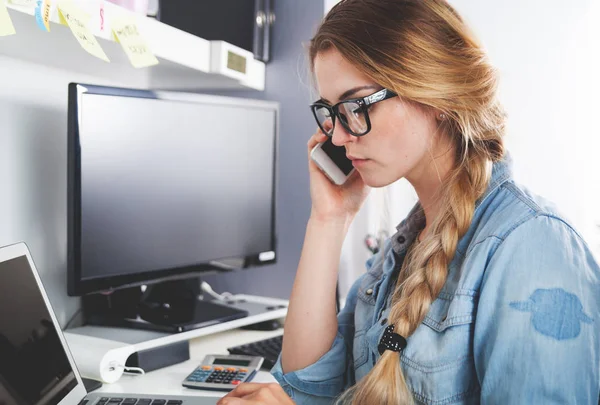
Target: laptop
pixel 36 366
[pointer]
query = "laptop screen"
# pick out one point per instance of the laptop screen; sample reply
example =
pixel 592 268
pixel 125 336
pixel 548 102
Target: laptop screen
pixel 34 368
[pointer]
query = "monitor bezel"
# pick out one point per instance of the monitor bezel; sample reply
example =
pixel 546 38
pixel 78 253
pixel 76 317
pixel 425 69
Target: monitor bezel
pixel 76 284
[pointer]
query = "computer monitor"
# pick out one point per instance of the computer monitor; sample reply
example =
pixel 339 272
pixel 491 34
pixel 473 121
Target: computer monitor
pixel 162 187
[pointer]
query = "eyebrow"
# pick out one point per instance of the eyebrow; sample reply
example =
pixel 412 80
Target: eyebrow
pixel 351 92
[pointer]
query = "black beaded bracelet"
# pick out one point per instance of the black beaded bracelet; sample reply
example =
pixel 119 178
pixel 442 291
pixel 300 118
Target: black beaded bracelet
pixel 391 341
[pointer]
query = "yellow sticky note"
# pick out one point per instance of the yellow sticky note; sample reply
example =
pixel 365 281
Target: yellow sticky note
pixel 6 25
pixel 46 8
pixel 77 21
pixel 127 34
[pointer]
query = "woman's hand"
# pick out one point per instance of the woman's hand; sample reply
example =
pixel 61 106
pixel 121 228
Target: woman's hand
pixel 255 394
pixel 330 201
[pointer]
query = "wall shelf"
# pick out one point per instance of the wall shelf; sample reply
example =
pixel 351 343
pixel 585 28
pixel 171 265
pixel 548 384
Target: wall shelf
pixel 186 61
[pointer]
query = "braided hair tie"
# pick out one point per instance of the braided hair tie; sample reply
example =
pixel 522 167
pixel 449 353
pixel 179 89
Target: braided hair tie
pixel 391 341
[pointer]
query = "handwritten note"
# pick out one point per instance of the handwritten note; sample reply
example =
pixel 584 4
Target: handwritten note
pixel 6 25
pixel 127 34
pixel 101 12
pixel 77 21
pixel 42 14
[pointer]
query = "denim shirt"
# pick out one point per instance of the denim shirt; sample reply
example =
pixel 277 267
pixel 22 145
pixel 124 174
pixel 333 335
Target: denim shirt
pixel 517 321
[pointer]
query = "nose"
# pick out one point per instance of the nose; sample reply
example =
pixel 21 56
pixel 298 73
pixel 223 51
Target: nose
pixel 340 136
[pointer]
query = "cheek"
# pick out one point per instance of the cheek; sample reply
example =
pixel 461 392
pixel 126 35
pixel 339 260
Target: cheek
pixel 402 143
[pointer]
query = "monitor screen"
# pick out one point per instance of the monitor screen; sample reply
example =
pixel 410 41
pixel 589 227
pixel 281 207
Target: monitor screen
pixel 165 183
pixel 34 368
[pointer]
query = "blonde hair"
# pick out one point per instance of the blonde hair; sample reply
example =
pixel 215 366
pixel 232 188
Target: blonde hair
pixel 422 50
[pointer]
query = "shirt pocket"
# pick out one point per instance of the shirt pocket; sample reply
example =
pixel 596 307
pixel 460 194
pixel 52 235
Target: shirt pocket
pixel 360 349
pixel 439 356
pixel 363 316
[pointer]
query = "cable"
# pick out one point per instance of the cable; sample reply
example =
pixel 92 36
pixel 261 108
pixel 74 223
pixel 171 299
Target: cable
pixel 226 296
pixel 127 370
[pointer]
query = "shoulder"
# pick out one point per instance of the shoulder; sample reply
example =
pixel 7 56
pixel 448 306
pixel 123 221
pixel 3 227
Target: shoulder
pixel 514 212
pixel 524 236
pixel 518 235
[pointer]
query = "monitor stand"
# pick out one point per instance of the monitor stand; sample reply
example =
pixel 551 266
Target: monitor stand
pixel 170 306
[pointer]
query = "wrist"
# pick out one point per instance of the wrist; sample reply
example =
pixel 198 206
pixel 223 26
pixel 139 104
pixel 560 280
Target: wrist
pixel 342 221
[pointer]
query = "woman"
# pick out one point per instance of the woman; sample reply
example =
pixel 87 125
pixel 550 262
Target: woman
pixel 485 294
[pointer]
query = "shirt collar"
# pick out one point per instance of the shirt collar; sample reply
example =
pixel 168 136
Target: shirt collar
pixel 409 228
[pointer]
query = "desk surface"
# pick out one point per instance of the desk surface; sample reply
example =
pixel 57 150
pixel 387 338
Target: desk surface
pixel 167 381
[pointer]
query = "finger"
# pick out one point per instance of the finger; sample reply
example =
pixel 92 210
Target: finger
pixel 281 397
pixel 243 389
pixel 317 138
pixel 264 395
pixel 233 401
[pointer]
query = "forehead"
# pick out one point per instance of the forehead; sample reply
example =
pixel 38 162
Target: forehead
pixel 336 75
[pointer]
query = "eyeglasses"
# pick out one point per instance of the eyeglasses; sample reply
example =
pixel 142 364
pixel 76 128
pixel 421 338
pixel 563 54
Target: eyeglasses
pixel 353 114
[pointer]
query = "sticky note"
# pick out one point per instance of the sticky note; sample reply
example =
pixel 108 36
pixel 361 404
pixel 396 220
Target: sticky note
pixel 127 34
pixel 42 14
pixel 6 25
pixel 77 21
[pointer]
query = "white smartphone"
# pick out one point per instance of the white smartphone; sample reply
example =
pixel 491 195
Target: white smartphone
pixel 332 161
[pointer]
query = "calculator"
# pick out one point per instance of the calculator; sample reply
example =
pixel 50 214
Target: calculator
pixel 223 372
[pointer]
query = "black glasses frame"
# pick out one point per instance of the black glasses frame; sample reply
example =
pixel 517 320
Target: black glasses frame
pixel 363 103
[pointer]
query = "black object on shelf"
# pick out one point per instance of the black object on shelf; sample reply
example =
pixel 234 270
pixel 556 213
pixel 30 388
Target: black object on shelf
pixel 159 357
pixel 269 349
pixel 243 23
pixel 170 306
pixel 271 324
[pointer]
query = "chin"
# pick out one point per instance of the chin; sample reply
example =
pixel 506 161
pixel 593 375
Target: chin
pixel 375 180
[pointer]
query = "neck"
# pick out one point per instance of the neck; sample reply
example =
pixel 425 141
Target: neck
pixel 427 179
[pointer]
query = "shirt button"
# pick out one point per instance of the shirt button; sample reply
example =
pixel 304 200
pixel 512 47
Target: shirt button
pixel 383 321
pixel 369 291
pixel 401 239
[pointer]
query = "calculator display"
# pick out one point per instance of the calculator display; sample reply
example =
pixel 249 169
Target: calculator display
pixel 232 362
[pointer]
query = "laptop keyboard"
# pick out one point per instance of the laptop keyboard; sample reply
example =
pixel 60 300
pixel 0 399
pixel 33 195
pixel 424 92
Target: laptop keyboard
pixel 134 401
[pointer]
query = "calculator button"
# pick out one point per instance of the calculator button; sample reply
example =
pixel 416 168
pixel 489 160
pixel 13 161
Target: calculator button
pixel 219 368
pixel 244 370
pixel 231 369
pixel 235 382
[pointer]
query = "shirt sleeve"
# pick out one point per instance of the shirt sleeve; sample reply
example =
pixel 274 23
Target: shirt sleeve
pixel 324 380
pixel 536 332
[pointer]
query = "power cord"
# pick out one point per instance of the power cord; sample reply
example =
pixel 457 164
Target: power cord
pixel 126 369
pixel 205 287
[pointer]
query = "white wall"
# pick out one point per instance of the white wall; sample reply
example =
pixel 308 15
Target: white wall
pixel 328 4
pixel 547 53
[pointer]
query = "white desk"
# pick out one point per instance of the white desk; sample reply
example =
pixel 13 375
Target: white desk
pixel 167 381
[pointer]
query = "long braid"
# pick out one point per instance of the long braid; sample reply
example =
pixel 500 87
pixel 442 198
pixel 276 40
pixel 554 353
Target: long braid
pixel 424 273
